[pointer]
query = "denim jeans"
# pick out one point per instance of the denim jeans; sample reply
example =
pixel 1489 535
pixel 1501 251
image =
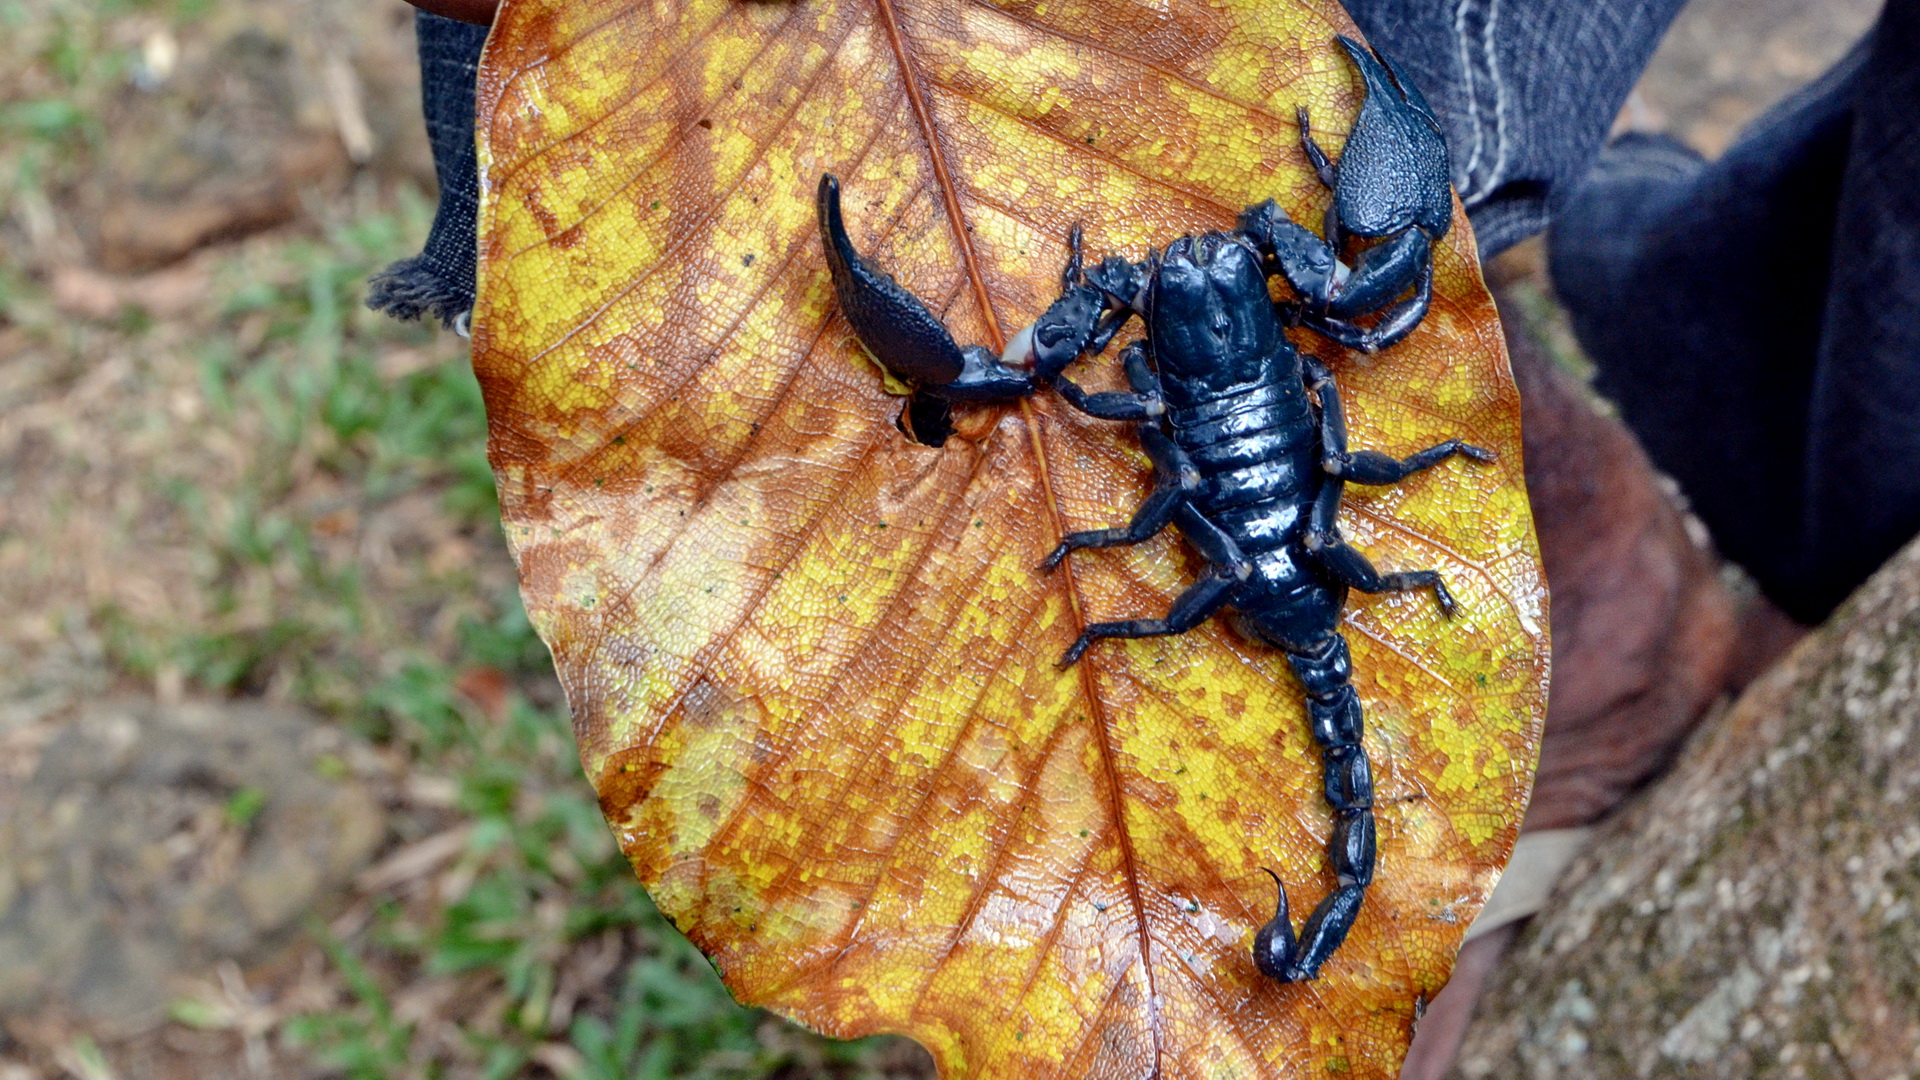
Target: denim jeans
pixel 1756 319
pixel 439 280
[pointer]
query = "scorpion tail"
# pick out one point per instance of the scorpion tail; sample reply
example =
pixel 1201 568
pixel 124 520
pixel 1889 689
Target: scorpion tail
pixel 1333 709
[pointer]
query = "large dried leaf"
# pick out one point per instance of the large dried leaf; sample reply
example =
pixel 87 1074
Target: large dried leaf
pixel 812 664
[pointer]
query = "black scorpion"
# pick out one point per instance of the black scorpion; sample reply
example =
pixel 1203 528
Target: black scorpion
pixel 1247 463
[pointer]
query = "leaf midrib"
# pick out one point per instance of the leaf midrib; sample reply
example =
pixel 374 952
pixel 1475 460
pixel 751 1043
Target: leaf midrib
pixel 1096 706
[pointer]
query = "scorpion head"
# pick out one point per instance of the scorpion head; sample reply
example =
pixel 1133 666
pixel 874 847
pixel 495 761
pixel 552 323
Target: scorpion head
pixel 1119 279
pixel 1211 318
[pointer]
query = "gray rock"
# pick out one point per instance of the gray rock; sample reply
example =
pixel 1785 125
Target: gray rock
pixel 1757 914
pixel 153 840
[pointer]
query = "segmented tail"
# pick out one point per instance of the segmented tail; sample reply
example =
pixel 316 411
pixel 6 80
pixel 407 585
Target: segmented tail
pixel 1333 712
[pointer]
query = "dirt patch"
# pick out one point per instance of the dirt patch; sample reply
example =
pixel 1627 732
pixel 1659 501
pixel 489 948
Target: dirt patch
pixel 152 841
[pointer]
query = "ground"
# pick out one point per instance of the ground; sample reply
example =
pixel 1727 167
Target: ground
pixel 286 785
pixel 289 789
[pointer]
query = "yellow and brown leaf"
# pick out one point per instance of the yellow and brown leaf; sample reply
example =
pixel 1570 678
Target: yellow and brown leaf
pixel 811 663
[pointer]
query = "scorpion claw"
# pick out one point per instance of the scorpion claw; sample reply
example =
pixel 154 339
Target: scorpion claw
pixel 906 337
pixel 1019 351
pixel 1393 172
pixel 1391 184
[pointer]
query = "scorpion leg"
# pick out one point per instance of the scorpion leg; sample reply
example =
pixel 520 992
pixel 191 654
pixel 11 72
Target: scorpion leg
pixel 1145 403
pixel 1075 270
pixel 1214 543
pixel 1370 466
pixel 1140 374
pixel 1322 166
pixel 1190 609
pixel 1200 600
pixel 1174 479
pixel 1153 516
pixel 1348 566
pixel 1373 467
pixel 1323 541
pixel 1329 179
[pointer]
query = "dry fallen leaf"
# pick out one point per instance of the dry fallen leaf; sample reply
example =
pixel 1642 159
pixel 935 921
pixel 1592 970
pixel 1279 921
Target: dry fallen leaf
pixel 812 664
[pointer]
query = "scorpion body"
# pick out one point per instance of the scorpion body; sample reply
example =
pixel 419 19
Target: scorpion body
pixel 1248 442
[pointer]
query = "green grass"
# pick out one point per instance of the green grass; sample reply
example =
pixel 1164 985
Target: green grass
pixel 544 875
